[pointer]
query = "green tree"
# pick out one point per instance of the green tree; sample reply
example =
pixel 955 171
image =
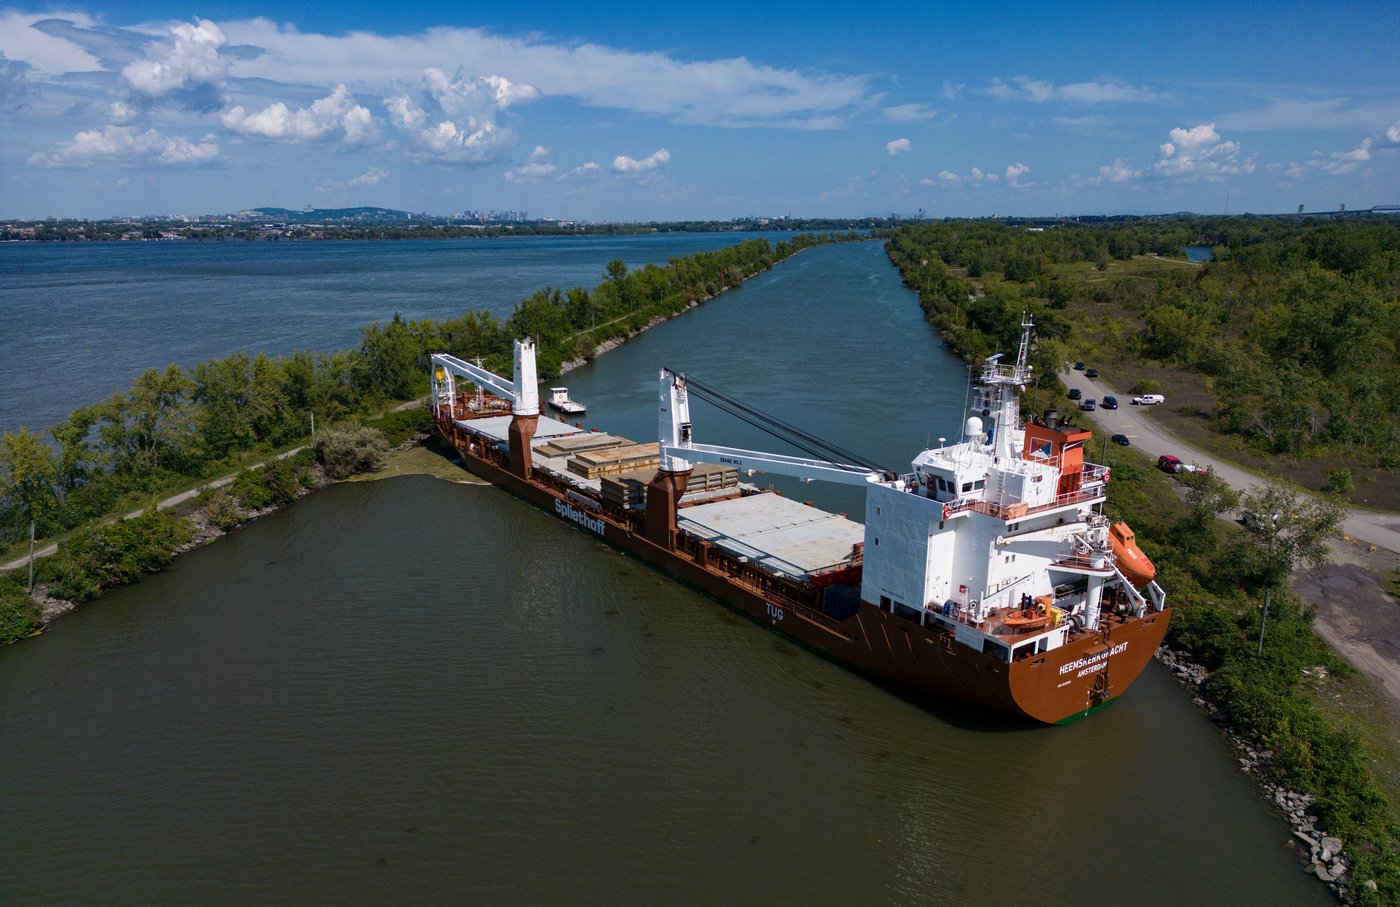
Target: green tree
pixel 26 476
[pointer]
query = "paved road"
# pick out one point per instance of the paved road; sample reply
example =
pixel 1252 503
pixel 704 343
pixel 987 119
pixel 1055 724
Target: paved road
pixel 1138 423
pixel 163 505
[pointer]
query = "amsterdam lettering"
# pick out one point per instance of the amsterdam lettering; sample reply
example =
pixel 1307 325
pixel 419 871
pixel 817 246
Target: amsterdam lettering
pixel 592 524
pixel 1093 662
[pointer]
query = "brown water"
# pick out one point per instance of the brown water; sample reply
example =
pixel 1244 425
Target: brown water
pixel 413 691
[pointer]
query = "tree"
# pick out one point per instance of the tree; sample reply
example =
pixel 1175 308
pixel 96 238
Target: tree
pixel 26 475
pixel 1287 527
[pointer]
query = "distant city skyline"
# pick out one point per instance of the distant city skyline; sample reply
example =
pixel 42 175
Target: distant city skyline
pixel 635 112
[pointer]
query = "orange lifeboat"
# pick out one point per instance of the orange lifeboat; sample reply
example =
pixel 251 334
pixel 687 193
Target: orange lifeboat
pixel 1033 618
pixel 1131 561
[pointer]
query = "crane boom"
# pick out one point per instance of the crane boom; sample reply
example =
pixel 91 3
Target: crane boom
pixel 678 449
pixel 522 391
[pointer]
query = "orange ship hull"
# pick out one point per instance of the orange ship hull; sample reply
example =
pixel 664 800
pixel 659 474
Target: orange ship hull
pixel 1056 686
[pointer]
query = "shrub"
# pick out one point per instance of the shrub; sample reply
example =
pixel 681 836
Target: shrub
pixel 101 557
pixel 1146 386
pixel 17 619
pixel 344 451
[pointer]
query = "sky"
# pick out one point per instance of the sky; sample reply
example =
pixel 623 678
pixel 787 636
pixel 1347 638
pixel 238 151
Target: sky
pixel 637 111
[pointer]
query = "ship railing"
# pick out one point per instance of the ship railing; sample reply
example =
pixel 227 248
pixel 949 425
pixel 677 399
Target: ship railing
pixel 1016 510
pixel 1084 562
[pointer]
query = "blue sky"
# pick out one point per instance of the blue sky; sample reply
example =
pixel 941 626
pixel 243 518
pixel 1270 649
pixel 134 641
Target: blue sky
pixel 639 112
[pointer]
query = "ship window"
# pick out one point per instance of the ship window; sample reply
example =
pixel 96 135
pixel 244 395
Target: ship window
pixel 967 486
pixel 979 484
pixel 877 542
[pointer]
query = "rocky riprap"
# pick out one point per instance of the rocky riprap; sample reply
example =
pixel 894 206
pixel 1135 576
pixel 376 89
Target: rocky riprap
pixel 1322 854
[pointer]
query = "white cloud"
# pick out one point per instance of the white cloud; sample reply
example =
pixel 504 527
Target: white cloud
pixel 371 177
pixel 909 113
pixel 461 121
pixel 898 145
pixel 123 143
pixel 1341 163
pixel 1014 174
pixel 1200 153
pixel 530 173
pixel 1039 91
pixel 622 164
pixel 188 62
pixel 1118 172
pixel 534 171
pixel 49 54
pixel 720 92
pixel 588 170
pixel 947 179
pixel 1328 113
pixel 953 91
pixel 337 114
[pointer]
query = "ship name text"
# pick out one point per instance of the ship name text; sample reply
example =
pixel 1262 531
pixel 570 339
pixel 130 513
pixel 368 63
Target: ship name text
pixel 1093 662
pixel 592 524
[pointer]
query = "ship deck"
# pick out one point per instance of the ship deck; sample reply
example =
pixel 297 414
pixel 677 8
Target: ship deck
pixel 776 534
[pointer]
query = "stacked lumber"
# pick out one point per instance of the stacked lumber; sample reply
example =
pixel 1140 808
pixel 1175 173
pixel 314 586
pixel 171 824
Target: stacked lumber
pixel 629 489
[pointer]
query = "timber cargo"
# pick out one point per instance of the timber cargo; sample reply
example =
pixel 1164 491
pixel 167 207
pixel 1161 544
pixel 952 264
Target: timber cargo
pixel 987 573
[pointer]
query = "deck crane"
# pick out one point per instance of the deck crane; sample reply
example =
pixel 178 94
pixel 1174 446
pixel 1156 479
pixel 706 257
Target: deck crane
pixel 678 448
pixel 679 451
pixel 522 391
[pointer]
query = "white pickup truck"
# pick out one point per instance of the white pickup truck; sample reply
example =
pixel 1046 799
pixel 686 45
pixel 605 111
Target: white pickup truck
pixel 1149 400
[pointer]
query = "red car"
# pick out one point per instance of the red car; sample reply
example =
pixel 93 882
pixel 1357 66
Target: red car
pixel 1168 463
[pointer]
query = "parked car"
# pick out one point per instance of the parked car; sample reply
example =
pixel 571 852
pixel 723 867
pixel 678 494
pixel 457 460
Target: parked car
pixel 1168 463
pixel 1079 366
pixel 1109 402
pixel 1091 373
pixel 1149 399
pixel 1122 440
pixel 1088 405
pixel 1075 393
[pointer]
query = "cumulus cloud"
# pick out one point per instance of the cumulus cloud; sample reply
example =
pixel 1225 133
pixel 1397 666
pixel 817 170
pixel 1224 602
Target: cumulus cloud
pixel 898 145
pixel 1014 174
pixel 535 170
pixel 1118 172
pixel 587 170
pixel 125 144
pixel 1039 91
pixel 624 165
pixel 1341 163
pixel 337 115
pixel 459 119
pixel 187 66
pixel 909 113
pixel 1200 153
pixel 947 179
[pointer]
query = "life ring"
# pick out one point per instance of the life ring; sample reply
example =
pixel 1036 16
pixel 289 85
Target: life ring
pixel 947 511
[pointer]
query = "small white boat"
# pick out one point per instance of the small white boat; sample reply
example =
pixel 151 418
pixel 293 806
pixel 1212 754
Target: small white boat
pixel 560 402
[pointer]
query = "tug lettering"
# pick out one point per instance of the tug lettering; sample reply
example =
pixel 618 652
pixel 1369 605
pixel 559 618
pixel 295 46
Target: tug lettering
pixel 1092 663
pixel 592 524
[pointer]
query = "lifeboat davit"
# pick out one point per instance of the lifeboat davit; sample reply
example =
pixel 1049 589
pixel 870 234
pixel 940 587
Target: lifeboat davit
pixel 1131 561
pixel 1041 614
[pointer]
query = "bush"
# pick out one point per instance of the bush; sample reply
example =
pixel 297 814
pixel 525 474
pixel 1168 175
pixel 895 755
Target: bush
pixel 1339 481
pixel 101 557
pixel 344 451
pixel 1146 386
pixel 17 619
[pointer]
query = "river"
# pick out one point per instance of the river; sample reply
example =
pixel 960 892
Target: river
pixel 423 692
pixel 79 321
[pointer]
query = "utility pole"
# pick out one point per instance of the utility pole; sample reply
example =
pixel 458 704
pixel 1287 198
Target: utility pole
pixel 31 557
pixel 1264 619
pixel 313 428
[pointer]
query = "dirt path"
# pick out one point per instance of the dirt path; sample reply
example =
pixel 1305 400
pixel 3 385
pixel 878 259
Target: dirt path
pixel 166 504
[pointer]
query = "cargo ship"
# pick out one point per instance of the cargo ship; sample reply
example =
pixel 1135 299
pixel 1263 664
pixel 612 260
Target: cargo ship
pixel 987 573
